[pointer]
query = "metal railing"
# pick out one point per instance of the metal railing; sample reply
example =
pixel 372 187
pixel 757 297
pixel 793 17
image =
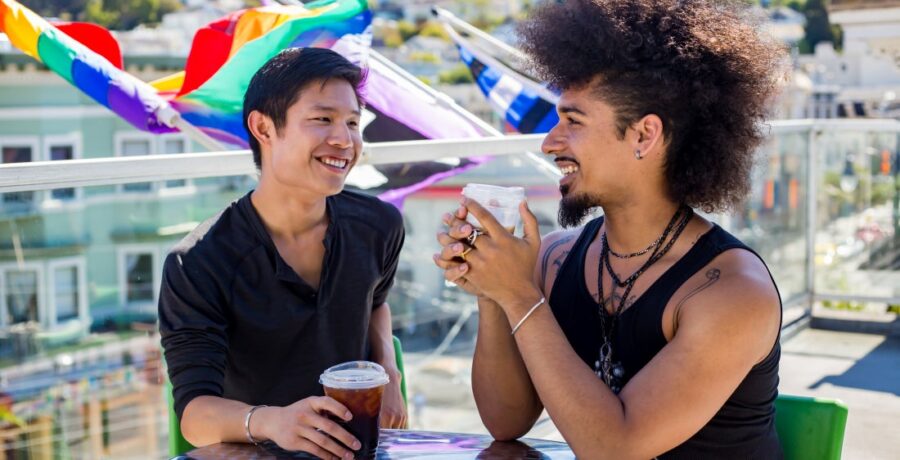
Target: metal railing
pixel 813 163
pixel 823 210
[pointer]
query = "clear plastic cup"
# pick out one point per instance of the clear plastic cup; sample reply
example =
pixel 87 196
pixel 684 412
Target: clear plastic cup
pixel 501 202
pixel 358 385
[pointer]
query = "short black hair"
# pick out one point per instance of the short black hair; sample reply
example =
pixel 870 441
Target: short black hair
pixel 277 84
pixel 702 66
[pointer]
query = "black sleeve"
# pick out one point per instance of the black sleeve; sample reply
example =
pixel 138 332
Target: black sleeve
pixel 192 326
pixel 391 258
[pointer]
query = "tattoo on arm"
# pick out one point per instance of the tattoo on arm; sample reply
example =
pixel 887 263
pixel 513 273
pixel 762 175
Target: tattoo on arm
pixel 712 275
pixel 545 261
pixel 559 260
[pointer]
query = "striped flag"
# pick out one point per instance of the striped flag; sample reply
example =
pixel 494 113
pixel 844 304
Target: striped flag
pixel 524 104
pixel 225 54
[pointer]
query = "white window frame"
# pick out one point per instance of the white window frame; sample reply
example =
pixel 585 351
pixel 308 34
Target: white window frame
pixel 156 144
pixel 30 141
pixel 71 139
pixel 188 187
pixel 41 297
pixel 118 139
pixel 121 253
pixel 81 280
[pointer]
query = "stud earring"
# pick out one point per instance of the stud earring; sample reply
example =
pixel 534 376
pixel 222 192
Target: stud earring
pixel 637 154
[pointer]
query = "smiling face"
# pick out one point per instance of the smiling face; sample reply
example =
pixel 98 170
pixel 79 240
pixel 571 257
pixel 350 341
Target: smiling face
pixel 597 163
pixel 319 143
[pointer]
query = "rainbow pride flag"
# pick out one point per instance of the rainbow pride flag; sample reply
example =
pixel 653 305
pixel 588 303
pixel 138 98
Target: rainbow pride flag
pixel 91 72
pixel 223 58
pixel 226 53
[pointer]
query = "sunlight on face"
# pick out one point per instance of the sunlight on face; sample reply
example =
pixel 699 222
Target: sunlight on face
pixel 320 141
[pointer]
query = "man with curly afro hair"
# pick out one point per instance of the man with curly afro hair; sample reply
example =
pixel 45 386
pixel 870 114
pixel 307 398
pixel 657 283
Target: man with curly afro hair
pixel 650 331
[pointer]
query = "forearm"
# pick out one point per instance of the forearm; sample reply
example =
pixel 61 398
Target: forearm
pixel 591 416
pixel 381 340
pixel 211 419
pixel 504 394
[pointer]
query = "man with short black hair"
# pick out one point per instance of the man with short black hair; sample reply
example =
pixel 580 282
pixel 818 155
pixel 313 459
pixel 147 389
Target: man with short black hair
pixel 288 280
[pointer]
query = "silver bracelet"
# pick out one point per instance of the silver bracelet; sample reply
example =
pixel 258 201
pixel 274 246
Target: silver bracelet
pixel 247 423
pixel 530 311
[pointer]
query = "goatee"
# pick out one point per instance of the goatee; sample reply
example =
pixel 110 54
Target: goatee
pixel 574 208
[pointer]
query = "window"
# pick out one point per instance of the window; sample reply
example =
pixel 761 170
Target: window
pixel 134 144
pixel 12 153
pixel 21 296
pixel 131 148
pixel 173 146
pixel 62 152
pixel 65 292
pixel 138 276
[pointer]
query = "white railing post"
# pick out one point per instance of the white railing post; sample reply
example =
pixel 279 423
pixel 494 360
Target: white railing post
pixel 812 215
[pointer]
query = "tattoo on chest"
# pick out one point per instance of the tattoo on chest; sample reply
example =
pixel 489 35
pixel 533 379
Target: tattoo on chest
pixel 612 302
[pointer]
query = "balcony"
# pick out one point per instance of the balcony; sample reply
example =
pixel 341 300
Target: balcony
pixel 843 5
pixel 79 356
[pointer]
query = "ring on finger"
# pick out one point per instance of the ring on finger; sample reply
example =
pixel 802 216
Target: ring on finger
pixel 473 236
pixel 466 252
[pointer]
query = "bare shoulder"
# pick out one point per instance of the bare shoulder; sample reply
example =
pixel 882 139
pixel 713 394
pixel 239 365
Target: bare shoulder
pixel 745 278
pixel 560 237
pixel 733 297
pixel 555 247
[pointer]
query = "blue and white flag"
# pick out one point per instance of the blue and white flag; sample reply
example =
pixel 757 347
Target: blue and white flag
pixel 525 105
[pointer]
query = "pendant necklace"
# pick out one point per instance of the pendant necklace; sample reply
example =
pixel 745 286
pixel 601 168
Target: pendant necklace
pixel 607 367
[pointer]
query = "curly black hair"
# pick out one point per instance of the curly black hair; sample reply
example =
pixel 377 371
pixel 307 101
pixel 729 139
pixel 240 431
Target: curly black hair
pixel 703 67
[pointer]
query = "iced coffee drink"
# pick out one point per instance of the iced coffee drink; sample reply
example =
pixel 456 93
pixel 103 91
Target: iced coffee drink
pixel 358 385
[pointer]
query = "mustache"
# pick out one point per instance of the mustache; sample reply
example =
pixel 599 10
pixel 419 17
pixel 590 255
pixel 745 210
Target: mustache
pixel 569 159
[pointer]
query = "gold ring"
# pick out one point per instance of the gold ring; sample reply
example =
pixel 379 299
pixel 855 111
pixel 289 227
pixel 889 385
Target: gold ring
pixel 466 252
pixel 473 236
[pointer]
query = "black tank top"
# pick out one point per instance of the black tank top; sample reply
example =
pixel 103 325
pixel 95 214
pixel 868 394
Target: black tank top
pixel 744 428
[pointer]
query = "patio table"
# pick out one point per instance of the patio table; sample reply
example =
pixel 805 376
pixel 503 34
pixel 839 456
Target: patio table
pixel 407 445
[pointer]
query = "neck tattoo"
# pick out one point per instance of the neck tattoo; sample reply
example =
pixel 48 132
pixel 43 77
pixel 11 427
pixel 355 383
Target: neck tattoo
pixel 607 367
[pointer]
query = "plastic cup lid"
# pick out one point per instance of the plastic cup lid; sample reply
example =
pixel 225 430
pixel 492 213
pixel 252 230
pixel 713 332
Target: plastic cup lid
pixel 354 375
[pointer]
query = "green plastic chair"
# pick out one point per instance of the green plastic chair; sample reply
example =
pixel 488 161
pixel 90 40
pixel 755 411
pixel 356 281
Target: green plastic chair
pixel 178 445
pixel 398 355
pixel 810 428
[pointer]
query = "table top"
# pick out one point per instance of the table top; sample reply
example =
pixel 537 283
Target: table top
pixel 407 444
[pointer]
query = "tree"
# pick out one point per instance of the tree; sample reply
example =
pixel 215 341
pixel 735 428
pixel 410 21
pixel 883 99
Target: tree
pixel 434 29
pixel 818 28
pixel 457 75
pixel 112 14
pixel 407 29
pixel 63 9
pixel 424 56
pixel 128 14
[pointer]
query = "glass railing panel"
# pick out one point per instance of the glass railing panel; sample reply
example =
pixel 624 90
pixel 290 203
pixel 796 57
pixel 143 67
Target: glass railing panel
pixel 857 242
pixel 79 281
pixel 437 321
pixel 80 269
pixel 773 220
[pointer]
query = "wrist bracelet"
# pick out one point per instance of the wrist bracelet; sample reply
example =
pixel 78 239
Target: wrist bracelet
pixel 530 311
pixel 247 423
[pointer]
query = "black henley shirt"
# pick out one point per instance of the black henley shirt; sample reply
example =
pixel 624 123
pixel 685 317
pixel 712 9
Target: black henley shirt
pixel 236 321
